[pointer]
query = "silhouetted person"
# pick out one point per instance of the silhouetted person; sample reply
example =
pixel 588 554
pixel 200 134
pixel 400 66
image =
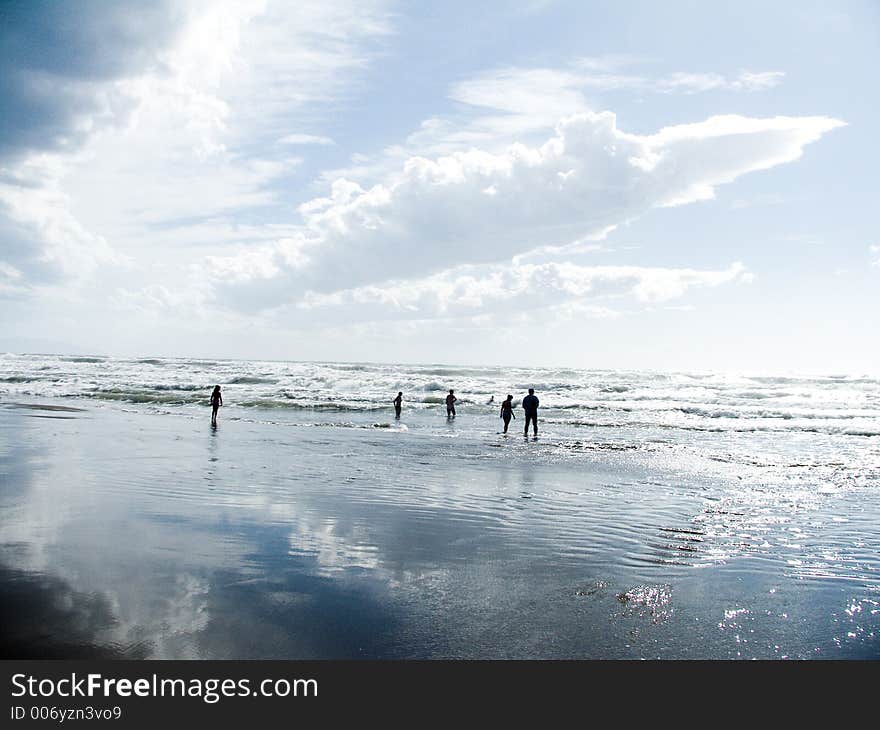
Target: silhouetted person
pixel 398 401
pixel 451 400
pixel 507 411
pixel 491 400
pixel 530 406
pixel 216 402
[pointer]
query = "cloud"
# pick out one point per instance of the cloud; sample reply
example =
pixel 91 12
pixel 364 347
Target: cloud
pixel 157 299
pixel 694 83
pixel 875 252
pixel 477 207
pixel 66 70
pixel 62 69
pixel 118 121
pixel 42 240
pixel 10 281
pixel 496 290
pixel 549 91
pixel 59 62
pixel 529 97
pixel 305 139
pixel 514 104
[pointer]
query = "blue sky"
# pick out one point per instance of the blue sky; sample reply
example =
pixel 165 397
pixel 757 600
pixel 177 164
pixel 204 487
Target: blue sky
pixel 632 184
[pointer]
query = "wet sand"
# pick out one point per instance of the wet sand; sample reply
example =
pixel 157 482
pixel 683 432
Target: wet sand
pixel 140 535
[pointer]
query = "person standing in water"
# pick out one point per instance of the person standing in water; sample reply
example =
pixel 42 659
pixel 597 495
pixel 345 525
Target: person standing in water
pixel 216 402
pixel 530 406
pixel 398 401
pixel 507 411
pixel 451 400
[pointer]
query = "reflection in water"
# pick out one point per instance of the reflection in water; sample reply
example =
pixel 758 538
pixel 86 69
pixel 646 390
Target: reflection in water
pixel 213 459
pixel 270 541
pixel 44 617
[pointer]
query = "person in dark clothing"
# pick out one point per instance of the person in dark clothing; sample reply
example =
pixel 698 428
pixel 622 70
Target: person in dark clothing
pixel 507 412
pixel 451 400
pixel 530 406
pixel 216 402
pixel 397 404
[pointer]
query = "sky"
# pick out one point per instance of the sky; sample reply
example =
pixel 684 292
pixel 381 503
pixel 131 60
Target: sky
pixel 639 185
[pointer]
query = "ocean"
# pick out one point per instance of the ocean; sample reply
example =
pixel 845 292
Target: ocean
pixel 657 515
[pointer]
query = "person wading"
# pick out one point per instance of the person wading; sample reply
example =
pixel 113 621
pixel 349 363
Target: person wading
pixel 530 406
pixel 507 412
pixel 216 402
pixel 451 400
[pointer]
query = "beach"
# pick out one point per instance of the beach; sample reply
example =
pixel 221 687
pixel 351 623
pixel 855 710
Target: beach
pixel 656 515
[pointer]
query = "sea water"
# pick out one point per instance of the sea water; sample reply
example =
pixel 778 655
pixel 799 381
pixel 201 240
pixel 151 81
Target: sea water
pixel 656 515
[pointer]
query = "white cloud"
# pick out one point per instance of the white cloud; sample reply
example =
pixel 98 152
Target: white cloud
pixel 514 104
pixel 545 92
pixel 694 83
pixel 156 299
pixel 42 239
pixel 478 207
pixel 550 93
pixel 495 290
pixel 306 139
pixel 182 130
pixel 875 251
pixel 10 281
pixel 757 81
